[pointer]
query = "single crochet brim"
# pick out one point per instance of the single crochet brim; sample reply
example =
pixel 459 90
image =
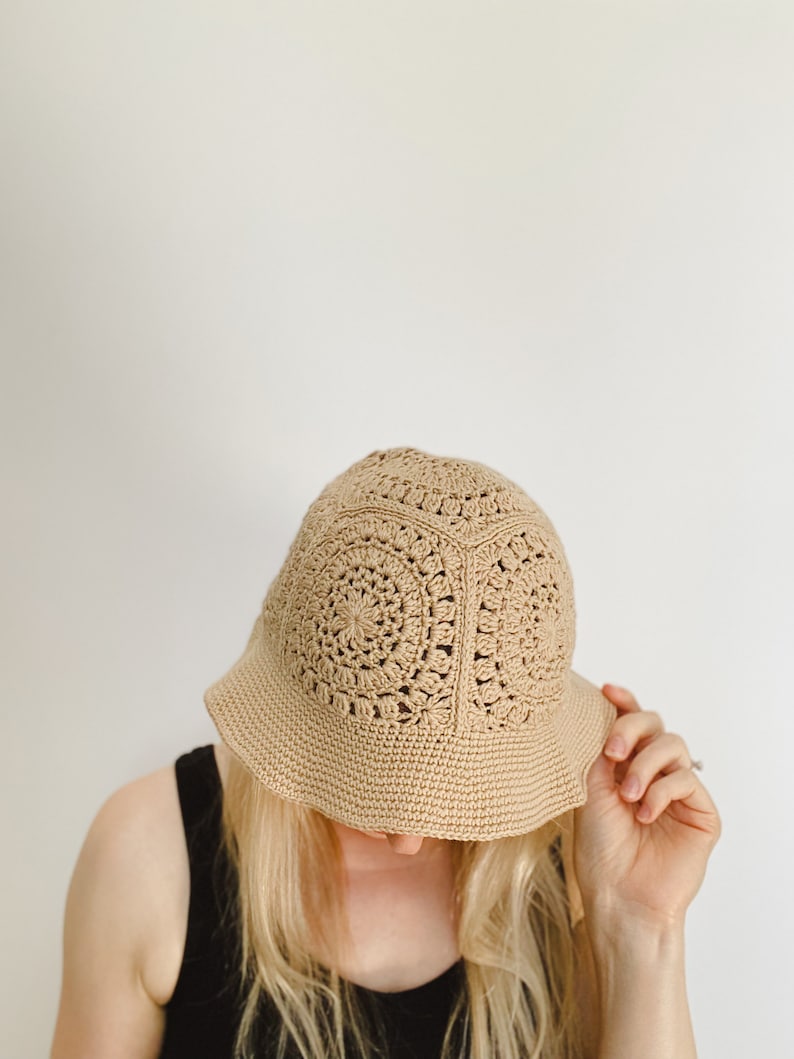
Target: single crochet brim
pixel 409 779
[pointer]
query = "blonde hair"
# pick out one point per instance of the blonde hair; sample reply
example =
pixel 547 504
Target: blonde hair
pixel 514 934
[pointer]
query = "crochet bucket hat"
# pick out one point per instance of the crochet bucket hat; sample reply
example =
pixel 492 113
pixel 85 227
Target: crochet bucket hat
pixel 410 668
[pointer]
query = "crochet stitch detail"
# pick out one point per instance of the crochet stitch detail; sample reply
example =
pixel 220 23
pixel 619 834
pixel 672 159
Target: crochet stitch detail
pixel 371 622
pixel 462 495
pixel 369 612
pixel 525 630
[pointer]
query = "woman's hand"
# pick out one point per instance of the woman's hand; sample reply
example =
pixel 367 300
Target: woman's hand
pixel 645 834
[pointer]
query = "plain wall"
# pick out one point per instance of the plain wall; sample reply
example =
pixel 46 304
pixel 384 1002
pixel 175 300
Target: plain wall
pixel 245 244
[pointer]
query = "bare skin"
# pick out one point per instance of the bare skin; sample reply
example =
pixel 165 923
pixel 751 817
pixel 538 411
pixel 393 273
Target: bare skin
pixel 398 894
pixel 642 843
pixel 126 911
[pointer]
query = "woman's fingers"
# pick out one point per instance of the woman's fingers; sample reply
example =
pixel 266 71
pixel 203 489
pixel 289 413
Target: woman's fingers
pixel 684 788
pixel 641 748
pixel 654 767
pixel 666 753
pixel 629 730
pixel 621 697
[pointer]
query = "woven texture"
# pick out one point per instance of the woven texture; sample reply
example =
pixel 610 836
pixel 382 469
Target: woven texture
pixel 410 668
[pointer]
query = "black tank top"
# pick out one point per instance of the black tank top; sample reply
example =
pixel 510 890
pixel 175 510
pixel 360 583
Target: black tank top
pixel 202 1015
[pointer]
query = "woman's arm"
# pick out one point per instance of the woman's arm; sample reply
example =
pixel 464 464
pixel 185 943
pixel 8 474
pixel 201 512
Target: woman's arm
pixel 118 928
pixel 640 857
pixel 642 1000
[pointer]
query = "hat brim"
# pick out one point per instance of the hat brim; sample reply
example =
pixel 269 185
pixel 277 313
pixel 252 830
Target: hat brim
pixel 382 777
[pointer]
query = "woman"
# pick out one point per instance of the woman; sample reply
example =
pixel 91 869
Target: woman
pixel 421 832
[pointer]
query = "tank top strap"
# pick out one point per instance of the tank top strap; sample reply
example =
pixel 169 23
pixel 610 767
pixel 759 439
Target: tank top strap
pixel 212 892
pixel 200 793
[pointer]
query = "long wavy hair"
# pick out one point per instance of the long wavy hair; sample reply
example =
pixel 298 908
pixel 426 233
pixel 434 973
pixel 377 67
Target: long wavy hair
pixel 514 935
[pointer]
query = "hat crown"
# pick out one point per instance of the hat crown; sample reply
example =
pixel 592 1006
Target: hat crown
pixel 424 593
pixel 464 496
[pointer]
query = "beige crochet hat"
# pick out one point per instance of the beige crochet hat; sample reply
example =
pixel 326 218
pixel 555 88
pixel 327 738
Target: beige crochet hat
pixel 410 670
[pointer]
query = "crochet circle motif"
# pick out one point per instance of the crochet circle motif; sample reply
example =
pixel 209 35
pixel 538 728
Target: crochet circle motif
pixel 525 631
pixel 371 622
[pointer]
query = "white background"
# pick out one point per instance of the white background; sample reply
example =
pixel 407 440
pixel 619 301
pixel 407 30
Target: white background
pixel 245 244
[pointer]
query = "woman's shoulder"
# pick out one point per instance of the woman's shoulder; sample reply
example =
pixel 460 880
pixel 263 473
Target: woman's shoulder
pixel 136 863
pixel 126 915
pixel 142 818
pixel 139 835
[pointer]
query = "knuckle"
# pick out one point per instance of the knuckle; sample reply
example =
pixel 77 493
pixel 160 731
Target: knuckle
pixel 631 723
pixel 676 748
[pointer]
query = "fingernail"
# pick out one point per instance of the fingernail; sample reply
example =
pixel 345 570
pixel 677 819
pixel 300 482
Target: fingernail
pixel 615 747
pixel 631 786
pixel 644 812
